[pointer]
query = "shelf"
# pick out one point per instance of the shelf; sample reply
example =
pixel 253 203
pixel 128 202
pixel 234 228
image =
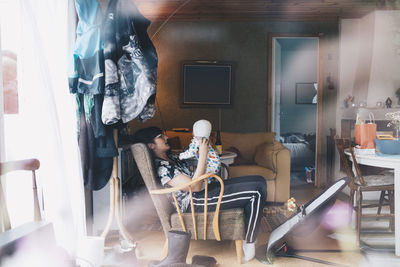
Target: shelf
pixel 379 113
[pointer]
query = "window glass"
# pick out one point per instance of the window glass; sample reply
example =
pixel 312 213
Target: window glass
pixel 9 43
pixel 16 185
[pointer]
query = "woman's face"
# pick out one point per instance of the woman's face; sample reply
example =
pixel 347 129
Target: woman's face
pixel 160 144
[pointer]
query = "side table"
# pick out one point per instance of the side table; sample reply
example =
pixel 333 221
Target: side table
pixel 226 158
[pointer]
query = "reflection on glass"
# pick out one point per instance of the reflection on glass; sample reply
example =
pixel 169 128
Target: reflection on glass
pixel 10 84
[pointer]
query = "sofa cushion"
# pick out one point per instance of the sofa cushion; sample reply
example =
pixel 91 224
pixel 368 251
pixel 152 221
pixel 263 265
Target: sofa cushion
pixel 239 159
pixel 244 170
pixel 265 155
pixel 246 142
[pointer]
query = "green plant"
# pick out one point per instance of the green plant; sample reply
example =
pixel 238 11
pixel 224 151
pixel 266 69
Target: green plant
pixel 394 118
pixel 398 96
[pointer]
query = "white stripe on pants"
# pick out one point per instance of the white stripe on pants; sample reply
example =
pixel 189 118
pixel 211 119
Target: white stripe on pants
pixel 248 192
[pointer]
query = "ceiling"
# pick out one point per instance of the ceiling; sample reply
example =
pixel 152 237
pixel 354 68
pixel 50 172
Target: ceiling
pixel 280 10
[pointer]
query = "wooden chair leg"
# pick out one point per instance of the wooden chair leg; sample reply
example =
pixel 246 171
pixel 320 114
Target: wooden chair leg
pixel 391 207
pixel 381 200
pixel 165 249
pixel 351 201
pixel 359 214
pixel 239 250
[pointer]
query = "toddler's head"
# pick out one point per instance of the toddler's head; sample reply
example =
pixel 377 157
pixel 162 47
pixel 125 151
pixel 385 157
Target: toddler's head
pixel 202 128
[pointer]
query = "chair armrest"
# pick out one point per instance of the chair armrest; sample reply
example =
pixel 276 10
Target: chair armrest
pixel 282 184
pixel 276 157
pixel 187 185
pixel 23 165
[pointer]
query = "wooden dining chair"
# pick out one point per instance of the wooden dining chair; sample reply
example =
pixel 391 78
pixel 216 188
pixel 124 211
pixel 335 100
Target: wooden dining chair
pixel 34 239
pixel 31 165
pixel 359 183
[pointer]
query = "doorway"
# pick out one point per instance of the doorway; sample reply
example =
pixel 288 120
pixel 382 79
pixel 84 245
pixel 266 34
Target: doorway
pixel 294 99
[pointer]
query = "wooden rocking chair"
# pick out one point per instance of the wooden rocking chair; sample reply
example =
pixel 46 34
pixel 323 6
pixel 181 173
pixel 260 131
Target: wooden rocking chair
pixel 198 223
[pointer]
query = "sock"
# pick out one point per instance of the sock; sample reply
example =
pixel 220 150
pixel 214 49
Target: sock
pixel 249 250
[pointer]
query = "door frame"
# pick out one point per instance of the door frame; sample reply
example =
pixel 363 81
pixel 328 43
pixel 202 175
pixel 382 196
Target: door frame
pixel 2 141
pixel 318 134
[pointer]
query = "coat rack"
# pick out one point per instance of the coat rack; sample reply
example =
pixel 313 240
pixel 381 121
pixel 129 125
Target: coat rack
pixel 115 181
pixel 115 203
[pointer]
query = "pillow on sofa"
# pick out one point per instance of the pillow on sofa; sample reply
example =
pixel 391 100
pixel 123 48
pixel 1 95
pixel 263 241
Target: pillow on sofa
pixel 239 159
pixel 246 142
pixel 264 155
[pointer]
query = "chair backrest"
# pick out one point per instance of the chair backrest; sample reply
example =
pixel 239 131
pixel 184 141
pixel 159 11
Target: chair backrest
pixel 342 144
pixel 19 165
pixel 145 165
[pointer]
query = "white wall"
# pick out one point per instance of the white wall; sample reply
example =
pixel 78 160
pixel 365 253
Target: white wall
pixel 383 78
pixel 298 66
pixel 384 75
pixel 385 67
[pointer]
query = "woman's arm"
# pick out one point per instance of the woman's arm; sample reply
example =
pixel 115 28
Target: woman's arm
pixel 200 170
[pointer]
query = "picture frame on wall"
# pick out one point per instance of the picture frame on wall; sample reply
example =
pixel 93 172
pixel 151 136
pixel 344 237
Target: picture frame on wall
pixel 306 93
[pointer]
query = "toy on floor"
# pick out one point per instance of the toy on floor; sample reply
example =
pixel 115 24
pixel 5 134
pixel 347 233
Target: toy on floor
pixel 310 173
pixel 291 204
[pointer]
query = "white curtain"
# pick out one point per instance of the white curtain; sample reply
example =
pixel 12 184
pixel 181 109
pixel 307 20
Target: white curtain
pixel 47 111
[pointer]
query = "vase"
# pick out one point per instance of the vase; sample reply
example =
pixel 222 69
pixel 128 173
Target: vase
pixel 396 133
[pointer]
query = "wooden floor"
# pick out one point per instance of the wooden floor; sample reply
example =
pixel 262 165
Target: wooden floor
pixel 150 242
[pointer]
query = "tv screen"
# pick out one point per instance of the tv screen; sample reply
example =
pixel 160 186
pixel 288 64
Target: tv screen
pixel 207 84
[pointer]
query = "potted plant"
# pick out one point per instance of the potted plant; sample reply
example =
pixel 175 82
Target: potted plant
pixel 398 96
pixel 394 118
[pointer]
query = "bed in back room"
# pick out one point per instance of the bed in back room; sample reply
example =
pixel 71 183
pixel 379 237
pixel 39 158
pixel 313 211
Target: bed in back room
pixel 302 151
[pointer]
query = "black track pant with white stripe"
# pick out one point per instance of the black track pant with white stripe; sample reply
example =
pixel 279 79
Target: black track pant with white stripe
pixel 247 192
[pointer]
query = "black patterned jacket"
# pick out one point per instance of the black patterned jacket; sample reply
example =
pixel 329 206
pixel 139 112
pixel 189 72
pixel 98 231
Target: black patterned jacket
pixel 130 65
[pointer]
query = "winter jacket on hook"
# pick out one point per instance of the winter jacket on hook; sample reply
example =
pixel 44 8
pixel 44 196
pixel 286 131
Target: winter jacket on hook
pixel 130 65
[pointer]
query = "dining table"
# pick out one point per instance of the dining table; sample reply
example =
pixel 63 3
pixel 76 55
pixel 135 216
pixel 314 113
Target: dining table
pixel 391 162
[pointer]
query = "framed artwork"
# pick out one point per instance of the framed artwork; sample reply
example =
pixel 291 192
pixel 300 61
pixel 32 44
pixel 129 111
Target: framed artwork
pixel 306 93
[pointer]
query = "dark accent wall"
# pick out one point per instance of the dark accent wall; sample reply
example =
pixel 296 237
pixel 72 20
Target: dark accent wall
pixel 244 43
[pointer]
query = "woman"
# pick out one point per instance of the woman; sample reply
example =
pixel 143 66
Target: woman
pixel 247 192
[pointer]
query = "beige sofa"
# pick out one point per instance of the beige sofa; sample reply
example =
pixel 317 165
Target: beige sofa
pixel 263 155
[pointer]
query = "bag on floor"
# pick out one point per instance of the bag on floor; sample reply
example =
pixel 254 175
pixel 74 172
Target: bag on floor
pixel 206 261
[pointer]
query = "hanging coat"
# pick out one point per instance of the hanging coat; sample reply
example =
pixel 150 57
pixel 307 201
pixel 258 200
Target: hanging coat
pixel 130 65
pixel 87 69
pixel 86 80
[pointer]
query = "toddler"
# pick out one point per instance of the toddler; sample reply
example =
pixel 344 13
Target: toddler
pixel 202 128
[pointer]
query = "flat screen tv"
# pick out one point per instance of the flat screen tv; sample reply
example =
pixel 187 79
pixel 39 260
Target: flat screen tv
pixel 207 83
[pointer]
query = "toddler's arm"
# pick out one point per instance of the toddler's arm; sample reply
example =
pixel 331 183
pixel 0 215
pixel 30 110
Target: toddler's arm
pixel 191 151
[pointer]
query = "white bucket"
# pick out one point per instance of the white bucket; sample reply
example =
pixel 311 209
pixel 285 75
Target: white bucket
pixel 90 251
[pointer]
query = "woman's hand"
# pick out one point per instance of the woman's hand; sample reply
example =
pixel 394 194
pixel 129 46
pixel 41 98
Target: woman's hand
pixel 203 148
pixel 200 170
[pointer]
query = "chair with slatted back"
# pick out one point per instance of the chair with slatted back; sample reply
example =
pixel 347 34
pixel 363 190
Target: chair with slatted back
pixel 35 237
pixel 30 165
pixel 202 225
pixel 359 183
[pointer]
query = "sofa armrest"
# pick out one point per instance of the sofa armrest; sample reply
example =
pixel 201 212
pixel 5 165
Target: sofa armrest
pixel 276 157
pixel 282 185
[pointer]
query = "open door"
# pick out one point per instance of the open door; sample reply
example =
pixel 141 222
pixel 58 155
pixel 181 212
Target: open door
pixel 295 102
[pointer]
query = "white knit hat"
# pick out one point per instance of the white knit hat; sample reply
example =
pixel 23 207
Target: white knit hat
pixel 202 128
